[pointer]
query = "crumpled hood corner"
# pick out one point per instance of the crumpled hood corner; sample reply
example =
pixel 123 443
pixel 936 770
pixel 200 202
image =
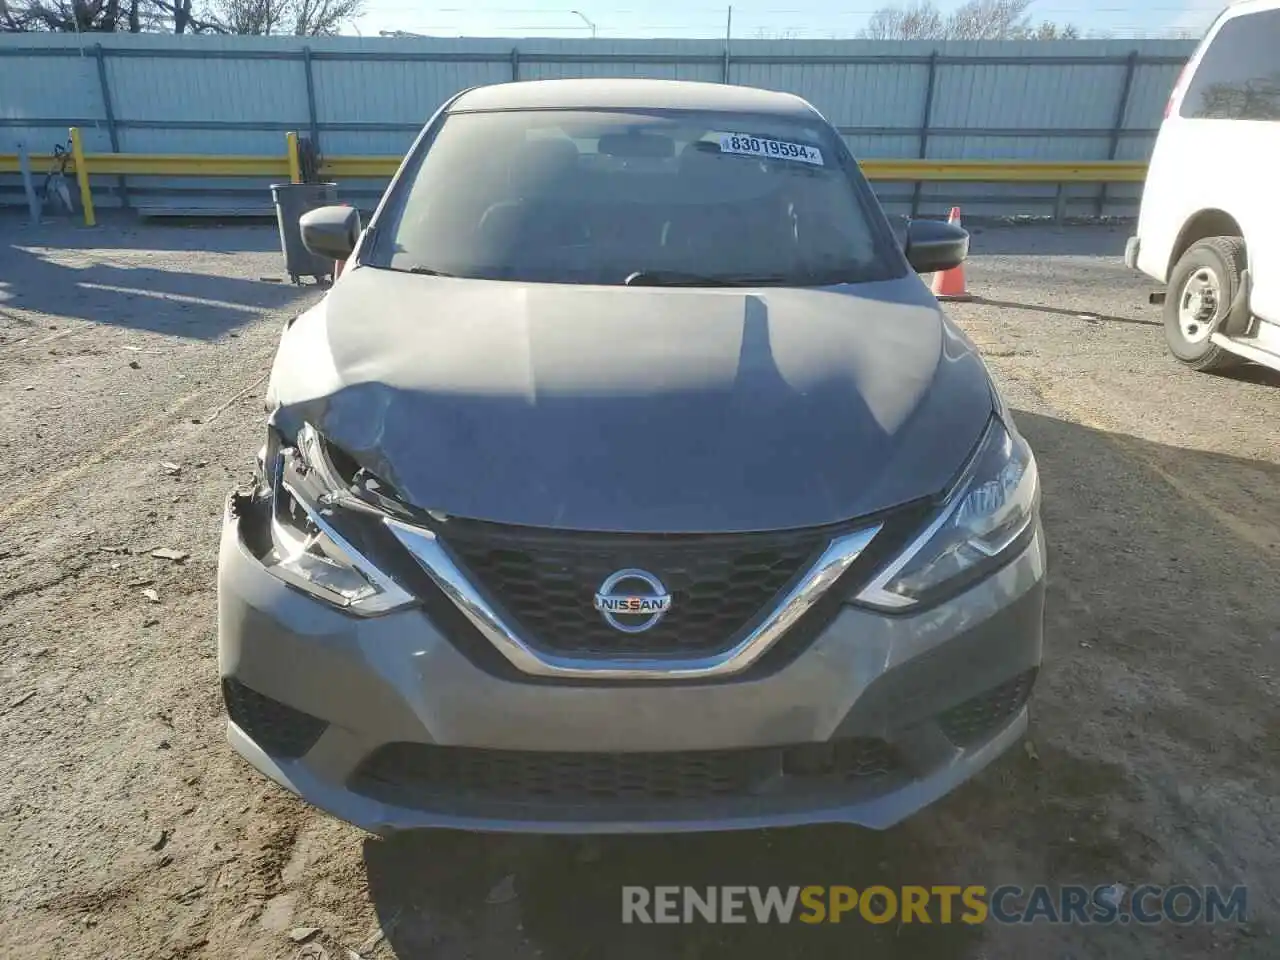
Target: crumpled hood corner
pixel 644 410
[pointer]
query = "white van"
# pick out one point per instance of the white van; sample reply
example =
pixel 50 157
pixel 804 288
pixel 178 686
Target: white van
pixel 1209 228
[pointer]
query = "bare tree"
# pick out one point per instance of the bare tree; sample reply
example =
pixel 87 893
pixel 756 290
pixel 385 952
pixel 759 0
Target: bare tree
pixel 1048 30
pixel 13 19
pixel 100 16
pixel 250 17
pixel 304 18
pixel 177 16
pixel 324 18
pixel 974 20
pixel 989 20
pixel 83 16
pixel 767 33
pixel 311 18
pixel 917 21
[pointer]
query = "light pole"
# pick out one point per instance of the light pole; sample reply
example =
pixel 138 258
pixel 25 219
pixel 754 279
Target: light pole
pixel 583 17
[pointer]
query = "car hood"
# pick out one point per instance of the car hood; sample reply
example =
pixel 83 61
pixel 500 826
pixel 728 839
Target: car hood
pixel 637 409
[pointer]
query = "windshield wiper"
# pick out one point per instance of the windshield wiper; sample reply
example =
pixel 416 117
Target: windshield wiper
pixel 805 278
pixel 426 271
pixel 678 278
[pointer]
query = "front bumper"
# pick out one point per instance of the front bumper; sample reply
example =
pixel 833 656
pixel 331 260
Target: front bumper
pixel 317 695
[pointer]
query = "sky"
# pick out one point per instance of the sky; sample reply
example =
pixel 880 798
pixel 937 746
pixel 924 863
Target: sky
pixel 772 18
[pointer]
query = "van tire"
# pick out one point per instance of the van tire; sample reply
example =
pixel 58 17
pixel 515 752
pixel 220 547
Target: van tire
pixel 1212 262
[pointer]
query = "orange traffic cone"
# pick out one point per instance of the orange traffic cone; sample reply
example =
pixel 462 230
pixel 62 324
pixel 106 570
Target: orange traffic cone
pixel 950 284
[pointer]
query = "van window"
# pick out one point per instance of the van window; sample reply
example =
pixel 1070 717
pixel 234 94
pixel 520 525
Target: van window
pixel 1239 75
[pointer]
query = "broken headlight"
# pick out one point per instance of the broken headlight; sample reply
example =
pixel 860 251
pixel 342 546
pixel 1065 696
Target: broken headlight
pixel 988 516
pixel 307 551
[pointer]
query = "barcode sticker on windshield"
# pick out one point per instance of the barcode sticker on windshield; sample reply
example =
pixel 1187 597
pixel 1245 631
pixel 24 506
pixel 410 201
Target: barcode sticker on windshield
pixel 745 143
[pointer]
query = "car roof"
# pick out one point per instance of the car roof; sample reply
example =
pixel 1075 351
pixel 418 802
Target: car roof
pixel 1240 8
pixel 1237 7
pixel 632 94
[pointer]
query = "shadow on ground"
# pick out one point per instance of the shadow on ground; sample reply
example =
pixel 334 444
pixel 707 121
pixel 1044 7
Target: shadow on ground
pixel 1251 373
pixel 122 230
pixel 1153 695
pixel 177 302
pixel 1082 316
pixel 570 908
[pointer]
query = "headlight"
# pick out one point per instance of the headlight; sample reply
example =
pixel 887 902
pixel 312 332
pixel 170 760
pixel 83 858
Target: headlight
pixel 307 552
pixel 984 520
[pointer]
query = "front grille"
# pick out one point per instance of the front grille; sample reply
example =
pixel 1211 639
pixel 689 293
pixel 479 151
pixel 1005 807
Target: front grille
pixel 980 716
pixel 278 729
pixel 416 774
pixel 547 583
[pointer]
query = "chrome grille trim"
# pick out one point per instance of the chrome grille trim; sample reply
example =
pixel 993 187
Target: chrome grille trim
pixel 428 550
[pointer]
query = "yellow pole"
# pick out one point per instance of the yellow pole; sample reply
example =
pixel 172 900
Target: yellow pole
pixel 295 165
pixel 82 177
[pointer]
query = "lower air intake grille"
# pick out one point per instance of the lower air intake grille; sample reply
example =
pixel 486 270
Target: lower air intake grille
pixel 412 774
pixel 982 715
pixel 278 729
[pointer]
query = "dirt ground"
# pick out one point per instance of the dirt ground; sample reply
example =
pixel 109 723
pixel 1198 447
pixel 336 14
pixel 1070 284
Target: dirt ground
pixel 129 829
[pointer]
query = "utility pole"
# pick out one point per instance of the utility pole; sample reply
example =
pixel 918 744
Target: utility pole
pixel 728 37
pixel 583 17
pixel 75 21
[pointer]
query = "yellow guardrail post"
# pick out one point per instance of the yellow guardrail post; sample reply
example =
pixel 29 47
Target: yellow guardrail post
pixel 295 165
pixel 82 177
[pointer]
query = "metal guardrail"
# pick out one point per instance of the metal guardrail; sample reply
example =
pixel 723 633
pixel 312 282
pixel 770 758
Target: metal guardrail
pixel 929 171
pixel 1006 171
pixel 164 164
pixel 287 165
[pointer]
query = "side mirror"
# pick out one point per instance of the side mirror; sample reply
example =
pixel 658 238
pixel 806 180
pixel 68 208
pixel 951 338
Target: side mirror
pixel 933 245
pixel 331 231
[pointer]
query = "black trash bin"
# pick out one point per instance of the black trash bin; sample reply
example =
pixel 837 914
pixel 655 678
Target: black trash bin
pixel 292 200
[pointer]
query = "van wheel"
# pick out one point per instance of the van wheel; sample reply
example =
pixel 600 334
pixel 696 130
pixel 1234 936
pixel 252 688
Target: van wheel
pixel 1202 286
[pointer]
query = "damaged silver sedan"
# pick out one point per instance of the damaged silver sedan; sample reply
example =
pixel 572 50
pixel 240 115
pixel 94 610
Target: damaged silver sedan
pixel 629 478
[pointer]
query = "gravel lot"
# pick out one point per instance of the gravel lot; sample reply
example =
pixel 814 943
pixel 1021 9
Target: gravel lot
pixel 129 829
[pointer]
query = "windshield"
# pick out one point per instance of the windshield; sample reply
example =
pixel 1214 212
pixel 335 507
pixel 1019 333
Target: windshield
pixel 662 198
